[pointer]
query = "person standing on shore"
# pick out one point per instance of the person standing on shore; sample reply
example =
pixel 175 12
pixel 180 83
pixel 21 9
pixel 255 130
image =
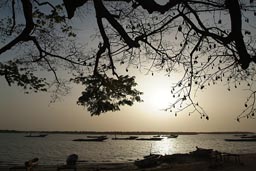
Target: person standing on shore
pixel 31 163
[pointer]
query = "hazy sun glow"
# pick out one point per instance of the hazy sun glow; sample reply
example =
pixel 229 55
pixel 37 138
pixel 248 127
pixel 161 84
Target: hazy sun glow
pixel 157 94
pixel 159 99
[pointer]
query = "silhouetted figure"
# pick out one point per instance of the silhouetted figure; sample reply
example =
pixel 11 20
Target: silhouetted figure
pixel 31 163
pixel 72 159
pixel 70 163
pixel 28 165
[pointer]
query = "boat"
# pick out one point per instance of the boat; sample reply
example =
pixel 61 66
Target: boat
pixel 240 135
pixel 96 136
pixel 172 136
pixel 248 136
pixel 102 138
pixel 242 139
pixel 157 135
pixel 151 160
pixel 36 135
pixel 150 139
pixel 125 138
pixel 202 152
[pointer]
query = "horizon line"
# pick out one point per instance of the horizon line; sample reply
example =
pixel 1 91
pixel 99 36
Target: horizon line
pixel 129 132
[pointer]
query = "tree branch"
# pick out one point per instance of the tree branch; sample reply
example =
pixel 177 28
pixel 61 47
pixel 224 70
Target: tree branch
pixel 151 6
pixel 236 34
pixel 13 17
pixel 104 13
pixel 24 36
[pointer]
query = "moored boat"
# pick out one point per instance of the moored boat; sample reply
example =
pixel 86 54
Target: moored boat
pixel 125 138
pixel 35 136
pixel 242 139
pixel 91 139
pixel 248 136
pixel 157 136
pixel 151 160
pixel 150 139
pixel 172 136
pixel 96 136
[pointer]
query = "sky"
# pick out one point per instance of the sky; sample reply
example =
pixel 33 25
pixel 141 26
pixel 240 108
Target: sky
pixel 19 111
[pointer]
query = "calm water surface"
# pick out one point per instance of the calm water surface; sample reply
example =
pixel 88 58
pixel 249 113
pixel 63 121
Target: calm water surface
pixel 53 149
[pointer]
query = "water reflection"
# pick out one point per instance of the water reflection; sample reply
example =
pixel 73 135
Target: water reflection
pixel 164 147
pixel 53 149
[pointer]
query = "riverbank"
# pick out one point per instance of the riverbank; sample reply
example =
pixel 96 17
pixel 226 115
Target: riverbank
pixel 247 163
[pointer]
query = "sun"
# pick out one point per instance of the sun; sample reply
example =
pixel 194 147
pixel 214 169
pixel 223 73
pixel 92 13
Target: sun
pixel 159 98
pixel 157 94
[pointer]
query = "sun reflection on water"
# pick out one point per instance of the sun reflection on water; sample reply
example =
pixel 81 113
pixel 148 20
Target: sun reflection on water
pixel 166 146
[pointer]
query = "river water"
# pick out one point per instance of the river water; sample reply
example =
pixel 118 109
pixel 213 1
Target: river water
pixel 53 149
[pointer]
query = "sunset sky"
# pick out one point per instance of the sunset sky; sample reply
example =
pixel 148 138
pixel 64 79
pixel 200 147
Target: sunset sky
pixel 19 111
pixel 33 111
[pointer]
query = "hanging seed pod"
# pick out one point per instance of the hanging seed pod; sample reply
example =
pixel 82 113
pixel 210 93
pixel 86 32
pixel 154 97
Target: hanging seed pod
pixel 184 98
pixel 247 32
pixel 179 28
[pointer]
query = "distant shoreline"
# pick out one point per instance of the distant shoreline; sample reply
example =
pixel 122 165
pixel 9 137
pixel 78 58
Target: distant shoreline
pixel 126 132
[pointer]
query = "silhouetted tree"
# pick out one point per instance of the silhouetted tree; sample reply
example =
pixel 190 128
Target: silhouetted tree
pixel 209 40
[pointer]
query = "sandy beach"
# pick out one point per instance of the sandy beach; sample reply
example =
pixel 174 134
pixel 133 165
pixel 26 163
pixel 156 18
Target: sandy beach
pixel 247 163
